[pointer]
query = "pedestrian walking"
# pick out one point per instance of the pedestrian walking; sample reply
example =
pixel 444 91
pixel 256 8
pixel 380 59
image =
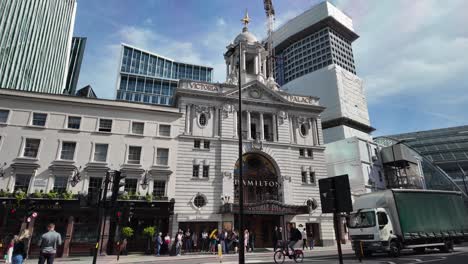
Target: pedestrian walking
pixel 275 238
pixel 158 244
pixel 188 240
pixel 246 240
pixel 20 248
pixel 48 245
pixel 252 241
pixel 304 239
pixel 204 241
pixel 213 240
pixel 311 240
pixel 9 250
pixel 167 244
pixel 179 239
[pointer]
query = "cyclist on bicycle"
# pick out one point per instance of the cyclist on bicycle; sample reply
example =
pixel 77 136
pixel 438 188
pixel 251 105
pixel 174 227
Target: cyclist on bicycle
pixel 294 236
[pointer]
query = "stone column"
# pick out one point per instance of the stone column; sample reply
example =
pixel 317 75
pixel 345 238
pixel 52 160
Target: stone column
pixel 311 129
pixel 243 61
pixel 227 70
pixel 256 64
pixel 187 119
pixel 264 67
pixel 275 124
pixel 68 236
pixel 214 115
pixel 249 136
pixel 314 129
pixel 234 127
pixel 262 126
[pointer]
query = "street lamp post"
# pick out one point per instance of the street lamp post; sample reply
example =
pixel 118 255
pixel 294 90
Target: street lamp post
pixel 240 185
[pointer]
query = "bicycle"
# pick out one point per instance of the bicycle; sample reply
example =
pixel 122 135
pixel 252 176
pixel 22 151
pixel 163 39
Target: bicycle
pixel 281 254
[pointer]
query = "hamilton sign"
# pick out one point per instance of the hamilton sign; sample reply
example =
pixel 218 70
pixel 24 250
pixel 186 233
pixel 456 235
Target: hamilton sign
pixel 258 183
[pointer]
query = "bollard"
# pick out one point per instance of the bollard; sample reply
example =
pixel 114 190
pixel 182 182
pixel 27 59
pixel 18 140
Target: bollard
pixel 361 251
pixel 220 253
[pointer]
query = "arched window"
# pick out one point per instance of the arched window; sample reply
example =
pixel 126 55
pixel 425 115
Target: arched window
pixel 304 130
pixel 199 201
pixel 202 120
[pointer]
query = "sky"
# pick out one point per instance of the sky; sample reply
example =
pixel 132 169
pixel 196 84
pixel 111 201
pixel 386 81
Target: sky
pixel 412 55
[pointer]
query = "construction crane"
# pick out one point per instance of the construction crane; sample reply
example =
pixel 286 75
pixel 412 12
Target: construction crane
pixel 270 13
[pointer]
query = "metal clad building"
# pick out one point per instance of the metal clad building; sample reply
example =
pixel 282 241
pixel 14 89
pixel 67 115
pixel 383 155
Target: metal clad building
pixel 150 78
pixel 74 67
pixel 35 40
pixel 447 148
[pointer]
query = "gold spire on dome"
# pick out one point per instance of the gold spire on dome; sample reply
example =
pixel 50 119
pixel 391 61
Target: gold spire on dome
pixel 246 19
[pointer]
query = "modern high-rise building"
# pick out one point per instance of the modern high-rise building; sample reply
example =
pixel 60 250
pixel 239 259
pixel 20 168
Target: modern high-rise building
pixel 150 78
pixel 315 57
pixel 35 41
pixel 74 66
pixel 446 148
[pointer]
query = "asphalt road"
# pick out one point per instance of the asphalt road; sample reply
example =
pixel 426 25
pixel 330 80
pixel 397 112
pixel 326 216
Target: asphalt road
pixel 459 256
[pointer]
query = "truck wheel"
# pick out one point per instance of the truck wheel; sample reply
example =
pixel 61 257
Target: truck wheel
pixel 394 250
pixel 447 247
pixel 420 250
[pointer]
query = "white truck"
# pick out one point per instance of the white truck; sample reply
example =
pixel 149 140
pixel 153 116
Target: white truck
pixel 392 220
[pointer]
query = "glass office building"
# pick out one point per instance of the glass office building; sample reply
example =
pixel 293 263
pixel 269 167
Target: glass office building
pixel 150 78
pixel 35 42
pixel 446 148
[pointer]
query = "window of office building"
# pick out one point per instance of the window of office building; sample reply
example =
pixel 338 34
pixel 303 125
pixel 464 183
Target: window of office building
pixel 162 156
pixel 39 119
pixel 196 143
pixel 105 125
pixel 134 154
pixel 206 144
pixel 68 150
pixel 100 152
pixel 94 184
pixel 60 184
pixel 74 122
pixel 199 201
pixel 159 188
pixel 304 176
pixel 312 177
pixel 31 147
pixel 22 182
pixel 138 128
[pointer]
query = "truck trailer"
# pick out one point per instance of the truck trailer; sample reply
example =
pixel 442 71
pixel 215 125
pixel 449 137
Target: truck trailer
pixel 392 220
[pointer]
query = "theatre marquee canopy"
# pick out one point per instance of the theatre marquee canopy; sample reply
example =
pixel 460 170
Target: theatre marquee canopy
pixel 266 208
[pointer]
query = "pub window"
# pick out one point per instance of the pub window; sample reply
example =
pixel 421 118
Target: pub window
pixel 196 143
pixel 4 116
pixel 131 186
pixel 196 171
pixel 74 122
pixel 301 152
pixel 165 130
pixel 94 185
pixel 22 182
pixel 206 144
pixel 134 155
pixel 39 119
pixel 138 128
pixel 68 150
pixel 100 152
pixel 159 188
pixel 162 156
pixel 206 171
pixel 199 201
pixel 304 176
pixel 60 184
pixel 105 125
pixel 312 177
pixel 31 147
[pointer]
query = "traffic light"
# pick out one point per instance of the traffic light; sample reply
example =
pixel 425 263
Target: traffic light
pixel 131 211
pixel 31 208
pixel 117 183
pixel 12 211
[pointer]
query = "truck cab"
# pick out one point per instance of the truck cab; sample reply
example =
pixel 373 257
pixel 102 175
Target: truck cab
pixel 371 230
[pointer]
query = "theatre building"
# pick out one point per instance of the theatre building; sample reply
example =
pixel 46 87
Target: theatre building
pixel 283 152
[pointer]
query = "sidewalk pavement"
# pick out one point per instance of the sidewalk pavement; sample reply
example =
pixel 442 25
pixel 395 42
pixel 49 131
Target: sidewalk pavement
pixel 148 258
